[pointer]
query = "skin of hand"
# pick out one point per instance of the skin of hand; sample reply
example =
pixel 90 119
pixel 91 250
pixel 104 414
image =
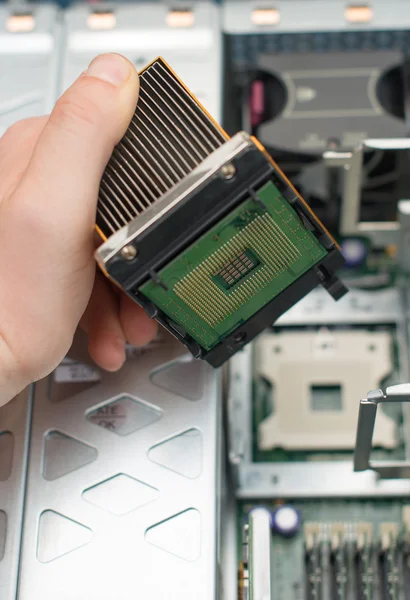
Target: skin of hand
pixel 50 170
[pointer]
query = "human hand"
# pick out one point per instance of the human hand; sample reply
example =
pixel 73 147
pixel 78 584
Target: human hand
pixel 50 169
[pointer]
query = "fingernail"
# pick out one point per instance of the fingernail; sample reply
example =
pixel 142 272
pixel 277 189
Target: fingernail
pixel 117 355
pixel 120 344
pixel 111 68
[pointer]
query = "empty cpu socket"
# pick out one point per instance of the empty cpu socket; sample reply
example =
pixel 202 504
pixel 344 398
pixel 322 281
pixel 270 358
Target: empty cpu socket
pixel 204 231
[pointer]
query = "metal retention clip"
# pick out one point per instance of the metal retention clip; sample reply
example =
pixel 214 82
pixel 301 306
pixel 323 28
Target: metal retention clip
pixel 365 428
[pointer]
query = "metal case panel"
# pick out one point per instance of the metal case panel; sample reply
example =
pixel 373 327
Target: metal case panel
pixel 294 16
pixel 28 65
pixel 14 431
pixel 28 71
pixel 123 489
pixel 141 33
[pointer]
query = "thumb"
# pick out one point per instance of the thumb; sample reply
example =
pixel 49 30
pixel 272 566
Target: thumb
pixel 70 156
pixel 47 223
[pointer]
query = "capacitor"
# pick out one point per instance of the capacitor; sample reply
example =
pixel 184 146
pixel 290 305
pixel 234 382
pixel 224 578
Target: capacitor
pixel 354 251
pixel 286 520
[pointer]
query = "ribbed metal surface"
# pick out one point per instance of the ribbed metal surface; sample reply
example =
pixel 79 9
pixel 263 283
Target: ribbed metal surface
pixel 169 135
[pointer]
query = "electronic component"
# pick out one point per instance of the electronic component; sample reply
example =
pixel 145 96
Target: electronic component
pixel 354 251
pixel 323 372
pixel 256 396
pixel 204 231
pixel 286 520
pixel 346 549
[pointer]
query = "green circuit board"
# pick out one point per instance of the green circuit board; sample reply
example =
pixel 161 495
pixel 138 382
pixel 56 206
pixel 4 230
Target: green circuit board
pixel 236 268
pixel 344 550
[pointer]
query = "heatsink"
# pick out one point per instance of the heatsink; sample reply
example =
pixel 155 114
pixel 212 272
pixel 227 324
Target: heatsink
pixel 204 231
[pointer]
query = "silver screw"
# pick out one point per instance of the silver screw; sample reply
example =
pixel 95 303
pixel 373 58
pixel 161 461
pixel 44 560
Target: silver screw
pixel 228 171
pixel 129 252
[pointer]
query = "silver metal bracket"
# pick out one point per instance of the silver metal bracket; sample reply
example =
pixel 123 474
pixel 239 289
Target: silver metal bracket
pixel 403 216
pixel 365 428
pixel 381 233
